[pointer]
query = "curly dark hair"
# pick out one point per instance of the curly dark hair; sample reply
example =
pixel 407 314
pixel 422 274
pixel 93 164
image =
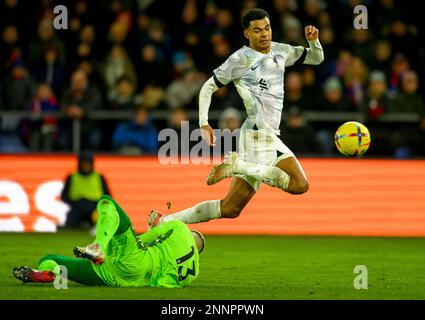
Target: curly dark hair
pixel 253 14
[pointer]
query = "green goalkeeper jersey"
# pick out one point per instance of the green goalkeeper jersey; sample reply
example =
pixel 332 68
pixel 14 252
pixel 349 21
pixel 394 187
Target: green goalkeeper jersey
pixel 165 256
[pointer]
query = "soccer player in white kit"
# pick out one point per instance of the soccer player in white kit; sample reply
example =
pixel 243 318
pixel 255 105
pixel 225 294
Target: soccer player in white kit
pixel 257 72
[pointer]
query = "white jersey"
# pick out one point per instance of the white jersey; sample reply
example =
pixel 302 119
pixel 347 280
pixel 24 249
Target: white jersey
pixel 259 79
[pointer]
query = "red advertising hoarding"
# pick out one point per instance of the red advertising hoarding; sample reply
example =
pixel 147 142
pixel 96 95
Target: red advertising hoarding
pixel 346 196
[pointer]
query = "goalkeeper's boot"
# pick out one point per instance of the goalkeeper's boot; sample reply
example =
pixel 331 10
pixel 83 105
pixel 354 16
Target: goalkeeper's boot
pixel 91 252
pixel 224 170
pixel 155 219
pixel 27 274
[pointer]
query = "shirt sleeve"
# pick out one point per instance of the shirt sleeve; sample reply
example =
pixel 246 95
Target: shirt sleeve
pixel 231 69
pixel 292 53
pixel 299 54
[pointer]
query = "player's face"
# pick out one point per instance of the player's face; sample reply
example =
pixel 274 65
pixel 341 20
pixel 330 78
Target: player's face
pixel 259 35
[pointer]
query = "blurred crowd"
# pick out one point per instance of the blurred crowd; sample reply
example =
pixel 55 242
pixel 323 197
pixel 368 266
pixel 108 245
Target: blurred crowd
pixel 144 55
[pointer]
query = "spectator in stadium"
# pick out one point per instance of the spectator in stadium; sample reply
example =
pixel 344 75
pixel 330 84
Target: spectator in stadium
pixel 311 89
pixel 78 99
pixel 408 99
pixel 137 136
pixel 82 45
pixel 382 57
pixel 355 81
pixel 81 96
pixel 292 31
pixel 294 91
pixel 43 131
pixel 225 26
pixel 10 49
pixel 116 65
pixel 399 65
pixel 189 21
pixel 182 92
pixel 220 51
pixel 181 63
pixel 311 12
pixel 87 46
pixel 122 98
pixel 405 139
pixel 298 134
pixel 159 39
pixel 375 104
pixel 91 68
pixel 46 39
pixel 18 88
pixel 82 189
pixel 327 38
pixel 152 97
pixel 333 97
pixel 118 32
pixel 50 70
pixel 151 68
pixel 360 45
pixel 165 44
pixel 403 37
pixel 377 101
pixel 342 63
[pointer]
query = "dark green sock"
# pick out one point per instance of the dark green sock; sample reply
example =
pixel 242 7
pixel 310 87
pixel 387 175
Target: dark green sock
pixel 79 270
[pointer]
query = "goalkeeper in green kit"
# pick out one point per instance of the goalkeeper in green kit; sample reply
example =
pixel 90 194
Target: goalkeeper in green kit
pixel 165 256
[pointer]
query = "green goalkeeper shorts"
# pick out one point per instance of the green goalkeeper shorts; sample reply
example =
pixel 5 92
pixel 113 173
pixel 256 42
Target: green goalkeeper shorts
pixel 171 261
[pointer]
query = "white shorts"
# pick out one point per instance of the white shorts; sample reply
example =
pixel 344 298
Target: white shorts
pixel 261 147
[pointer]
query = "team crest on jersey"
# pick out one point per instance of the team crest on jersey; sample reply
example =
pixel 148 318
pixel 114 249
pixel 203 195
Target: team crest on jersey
pixel 263 84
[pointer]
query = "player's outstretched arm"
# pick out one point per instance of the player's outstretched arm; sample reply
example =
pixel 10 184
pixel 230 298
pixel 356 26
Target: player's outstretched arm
pixel 315 53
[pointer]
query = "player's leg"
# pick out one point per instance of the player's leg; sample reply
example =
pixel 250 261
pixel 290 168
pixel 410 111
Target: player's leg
pixel 234 165
pixel 240 193
pixel 112 220
pixel 287 174
pixel 78 270
pixel 48 269
pixel 298 182
pixel 284 173
pixel 230 207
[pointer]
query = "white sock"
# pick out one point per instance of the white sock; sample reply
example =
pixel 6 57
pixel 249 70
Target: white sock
pixel 270 175
pixel 202 212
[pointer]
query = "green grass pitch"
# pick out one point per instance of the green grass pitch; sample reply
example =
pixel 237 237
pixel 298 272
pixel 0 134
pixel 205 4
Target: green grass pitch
pixel 245 267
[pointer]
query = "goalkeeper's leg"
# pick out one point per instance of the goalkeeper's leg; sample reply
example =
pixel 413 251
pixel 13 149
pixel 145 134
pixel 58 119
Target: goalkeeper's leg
pixel 52 266
pixel 78 270
pixel 112 220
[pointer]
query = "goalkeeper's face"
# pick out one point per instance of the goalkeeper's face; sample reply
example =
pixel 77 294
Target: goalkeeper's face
pixel 259 35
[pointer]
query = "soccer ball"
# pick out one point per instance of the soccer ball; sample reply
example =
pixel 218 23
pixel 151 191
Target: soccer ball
pixel 352 139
